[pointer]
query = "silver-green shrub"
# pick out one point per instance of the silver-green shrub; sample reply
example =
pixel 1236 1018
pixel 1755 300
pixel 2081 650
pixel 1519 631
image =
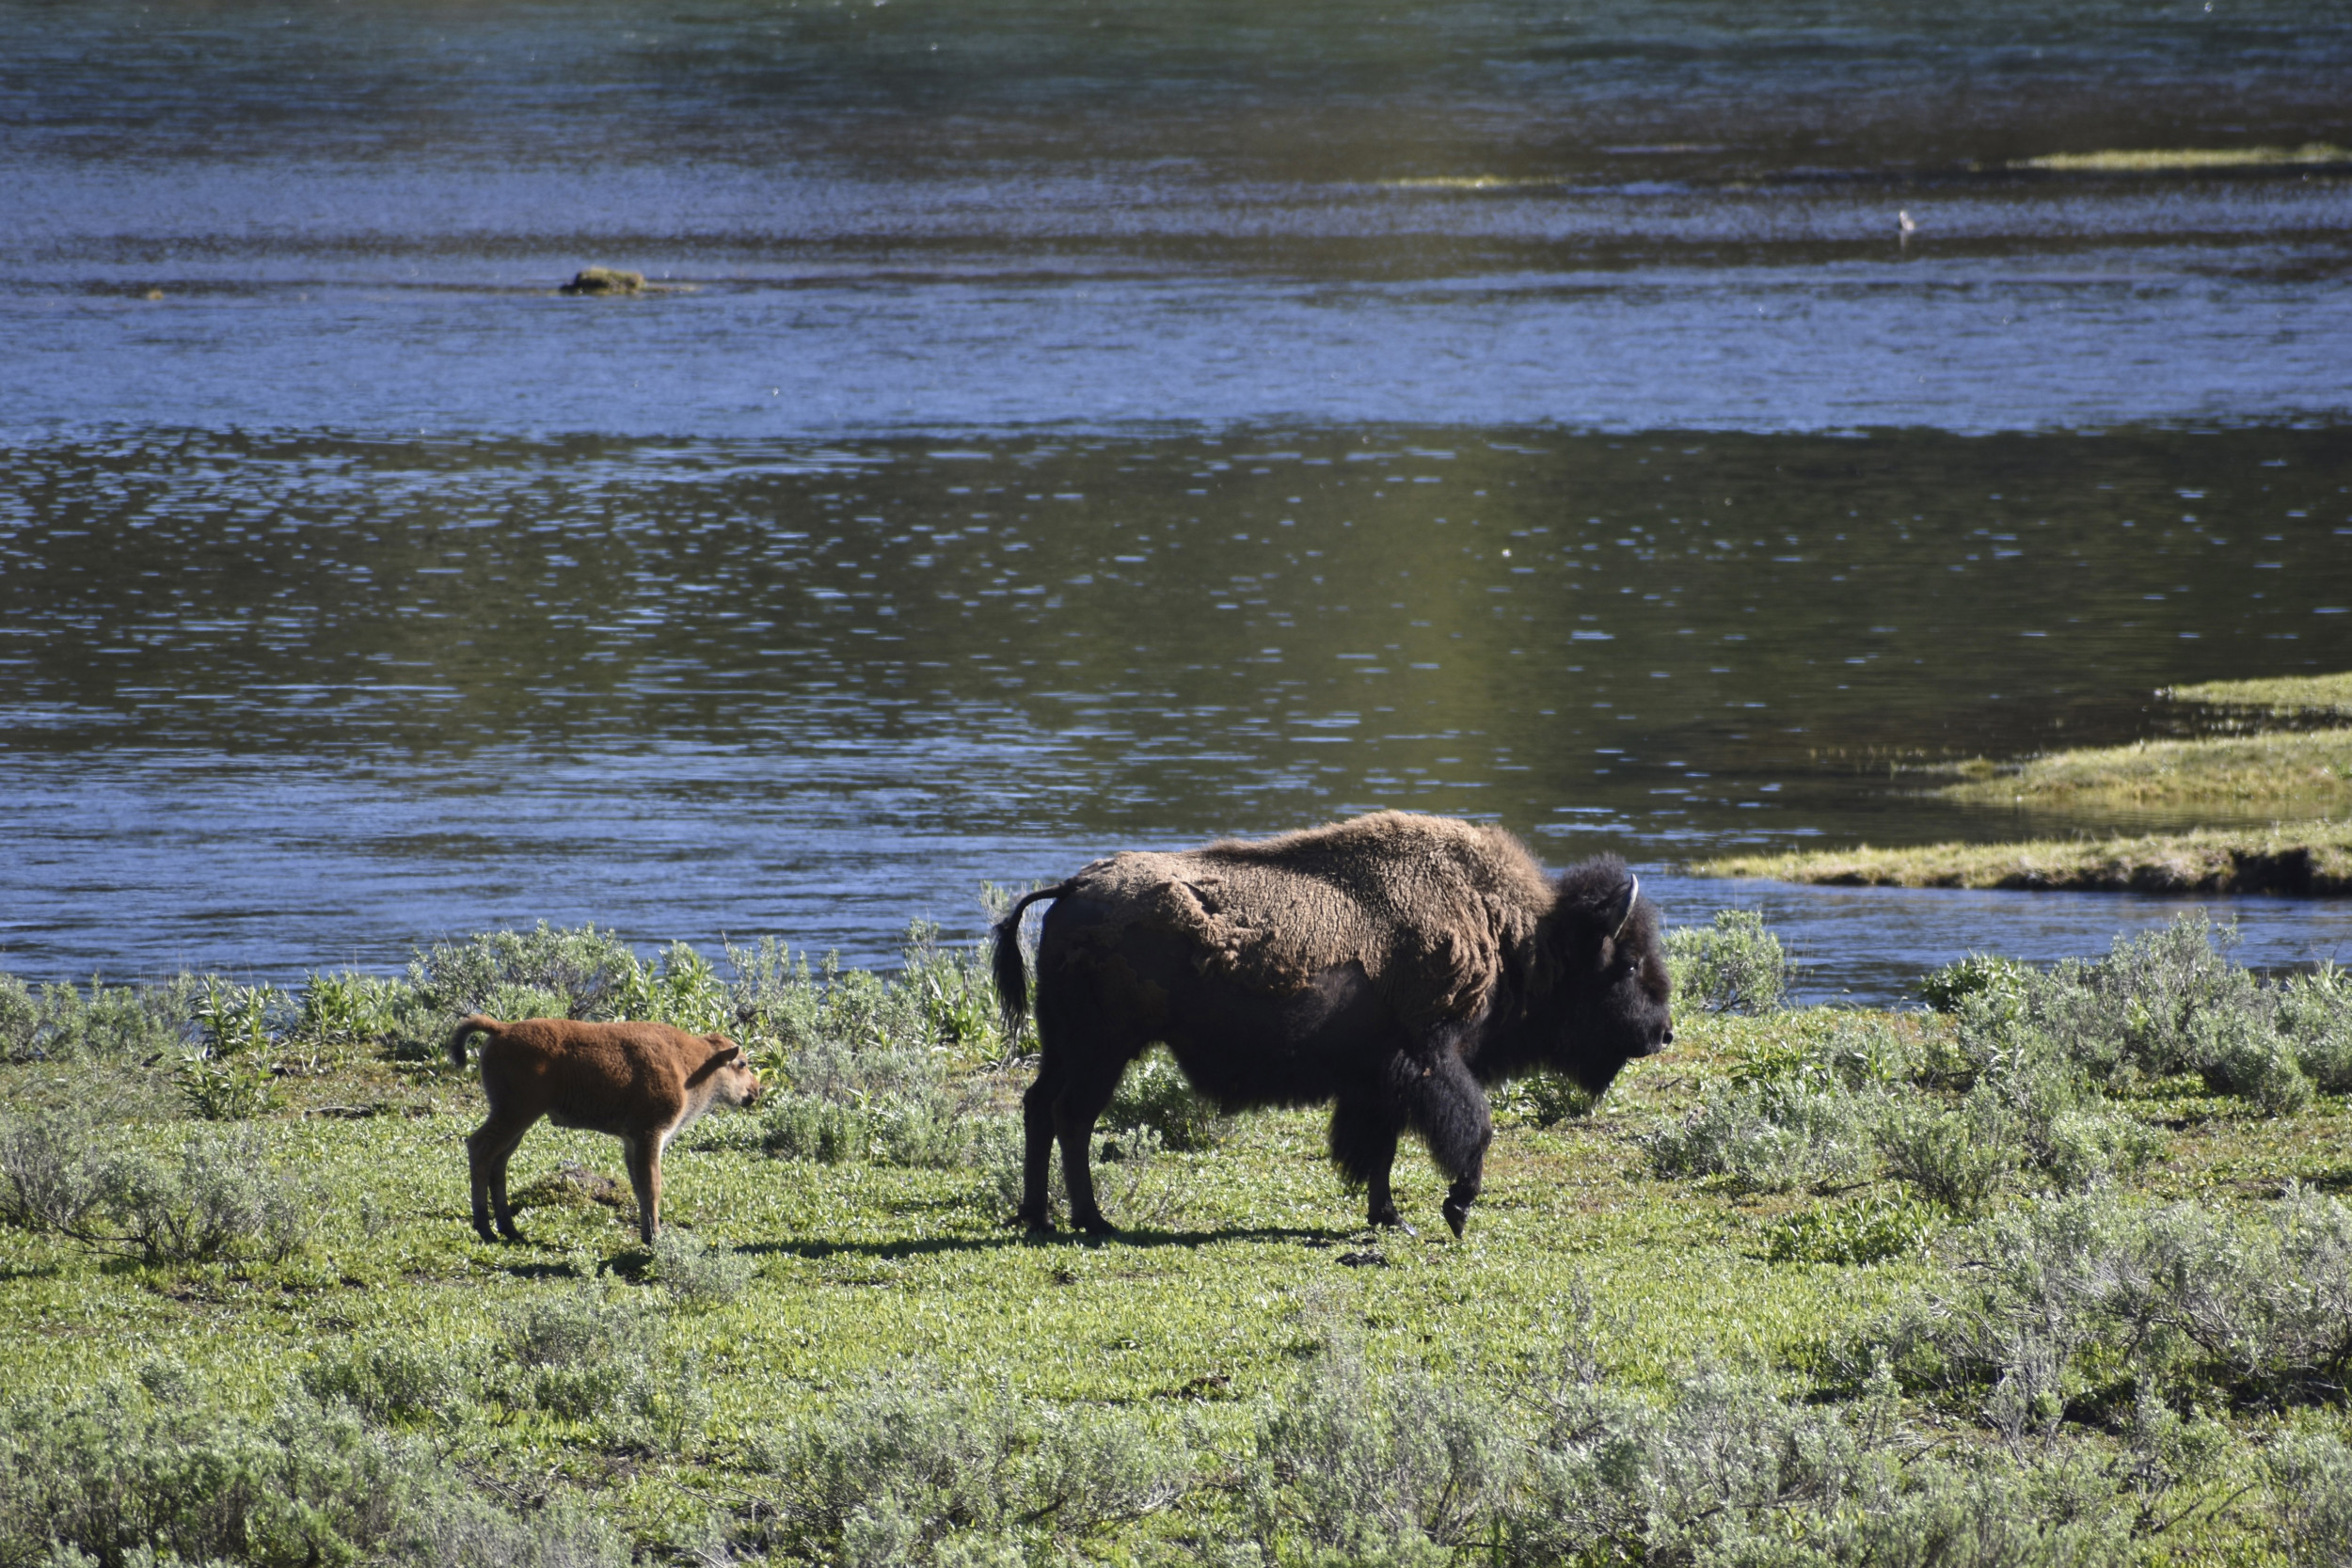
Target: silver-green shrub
pixel 1769 1135
pixel 126 1025
pixel 2069 1300
pixel 221 1196
pixel 697 1273
pixel 2310 1475
pixel 574 971
pixel 1388 1469
pixel 900 1473
pixel 2315 1017
pixel 394 1381
pixel 150 1470
pixel 1155 1096
pixel 1734 965
pixel 576 1354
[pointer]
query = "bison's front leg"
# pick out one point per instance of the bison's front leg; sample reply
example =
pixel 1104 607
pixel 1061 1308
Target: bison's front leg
pixel 1363 1146
pixel 1450 1112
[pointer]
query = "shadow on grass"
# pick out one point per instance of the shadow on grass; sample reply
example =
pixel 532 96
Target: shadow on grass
pixel 930 1246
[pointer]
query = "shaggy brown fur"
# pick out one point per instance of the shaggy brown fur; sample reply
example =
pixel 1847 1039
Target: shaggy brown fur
pixel 1391 965
pixel 640 1082
pixel 1427 905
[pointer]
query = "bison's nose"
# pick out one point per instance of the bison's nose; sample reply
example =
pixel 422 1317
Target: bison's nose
pixel 1665 1036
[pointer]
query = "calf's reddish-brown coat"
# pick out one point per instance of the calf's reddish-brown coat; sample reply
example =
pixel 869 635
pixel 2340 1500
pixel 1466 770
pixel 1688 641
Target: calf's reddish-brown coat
pixel 640 1082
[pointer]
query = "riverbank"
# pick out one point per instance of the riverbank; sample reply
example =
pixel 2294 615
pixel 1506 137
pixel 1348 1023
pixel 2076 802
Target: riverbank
pixel 1821 1232
pixel 2310 860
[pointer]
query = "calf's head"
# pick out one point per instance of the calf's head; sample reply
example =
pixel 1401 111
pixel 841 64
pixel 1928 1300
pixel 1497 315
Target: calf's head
pixel 1608 968
pixel 729 1077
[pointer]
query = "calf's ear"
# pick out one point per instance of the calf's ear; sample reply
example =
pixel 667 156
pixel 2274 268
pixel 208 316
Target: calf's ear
pixel 729 1052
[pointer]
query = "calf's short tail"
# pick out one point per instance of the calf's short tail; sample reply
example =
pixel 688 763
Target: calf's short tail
pixel 473 1024
pixel 1011 974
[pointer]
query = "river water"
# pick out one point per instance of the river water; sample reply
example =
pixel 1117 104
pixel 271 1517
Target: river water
pixel 1072 426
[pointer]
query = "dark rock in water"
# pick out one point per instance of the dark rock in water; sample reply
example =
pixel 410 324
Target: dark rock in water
pixel 604 280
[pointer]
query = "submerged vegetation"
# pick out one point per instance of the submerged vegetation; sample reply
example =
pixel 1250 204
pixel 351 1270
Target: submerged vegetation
pixel 2054 1271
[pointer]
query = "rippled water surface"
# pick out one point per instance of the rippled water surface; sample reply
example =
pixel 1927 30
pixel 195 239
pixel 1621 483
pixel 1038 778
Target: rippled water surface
pixel 1076 426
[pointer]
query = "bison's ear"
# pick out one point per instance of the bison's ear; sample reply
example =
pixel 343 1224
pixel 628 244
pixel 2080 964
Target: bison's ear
pixel 728 1050
pixel 1619 912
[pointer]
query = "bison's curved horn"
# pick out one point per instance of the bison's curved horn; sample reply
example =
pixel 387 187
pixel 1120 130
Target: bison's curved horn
pixel 1632 897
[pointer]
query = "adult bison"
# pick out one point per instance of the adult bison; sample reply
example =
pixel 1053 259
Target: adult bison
pixel 1392 965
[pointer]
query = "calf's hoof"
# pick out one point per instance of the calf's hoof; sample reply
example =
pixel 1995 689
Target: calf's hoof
pixel 1389 1219
pixel 1095 1224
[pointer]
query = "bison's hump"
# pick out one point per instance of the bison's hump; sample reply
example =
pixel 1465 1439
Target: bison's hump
pixel 1426 905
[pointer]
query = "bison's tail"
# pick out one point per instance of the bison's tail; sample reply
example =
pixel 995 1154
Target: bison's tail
pixel 473 1024
pixel 1012 975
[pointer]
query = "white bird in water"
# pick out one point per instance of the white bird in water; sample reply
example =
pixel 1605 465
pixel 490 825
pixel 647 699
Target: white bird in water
pixel 1903 224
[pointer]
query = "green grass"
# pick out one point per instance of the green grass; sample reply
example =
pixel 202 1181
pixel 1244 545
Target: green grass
pixel 2162 160
pixel 2286 695
pixel 2309 771
pixel 2307 859
pixel 1242 1291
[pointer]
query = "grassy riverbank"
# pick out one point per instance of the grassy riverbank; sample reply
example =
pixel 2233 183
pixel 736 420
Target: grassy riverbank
pixel 1795 1288
pixel 2301 859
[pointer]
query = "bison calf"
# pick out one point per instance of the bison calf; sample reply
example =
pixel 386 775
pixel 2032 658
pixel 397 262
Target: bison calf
pixel 640 1082
pixel 1391 967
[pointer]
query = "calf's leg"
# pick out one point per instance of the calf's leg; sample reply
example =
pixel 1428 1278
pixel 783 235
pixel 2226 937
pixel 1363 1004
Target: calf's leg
pixel 643 1153
pixel 487 1153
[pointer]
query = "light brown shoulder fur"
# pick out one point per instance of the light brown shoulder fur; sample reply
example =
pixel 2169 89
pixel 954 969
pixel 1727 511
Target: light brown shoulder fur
pixel 1427 905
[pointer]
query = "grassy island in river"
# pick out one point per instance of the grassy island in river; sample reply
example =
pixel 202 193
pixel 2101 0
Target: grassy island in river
pixel 2302 779
pixel 2299 859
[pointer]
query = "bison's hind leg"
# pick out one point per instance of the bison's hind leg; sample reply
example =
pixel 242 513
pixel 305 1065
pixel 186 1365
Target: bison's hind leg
pixel 1037 1147
pixel 1086 1090
pixel 1062 1106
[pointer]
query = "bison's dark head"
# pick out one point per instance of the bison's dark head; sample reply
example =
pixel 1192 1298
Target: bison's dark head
pixel 1607 963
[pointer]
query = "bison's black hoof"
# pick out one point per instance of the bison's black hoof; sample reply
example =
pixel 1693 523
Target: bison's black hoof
pixel 1394 1222
pixel 1095 1224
